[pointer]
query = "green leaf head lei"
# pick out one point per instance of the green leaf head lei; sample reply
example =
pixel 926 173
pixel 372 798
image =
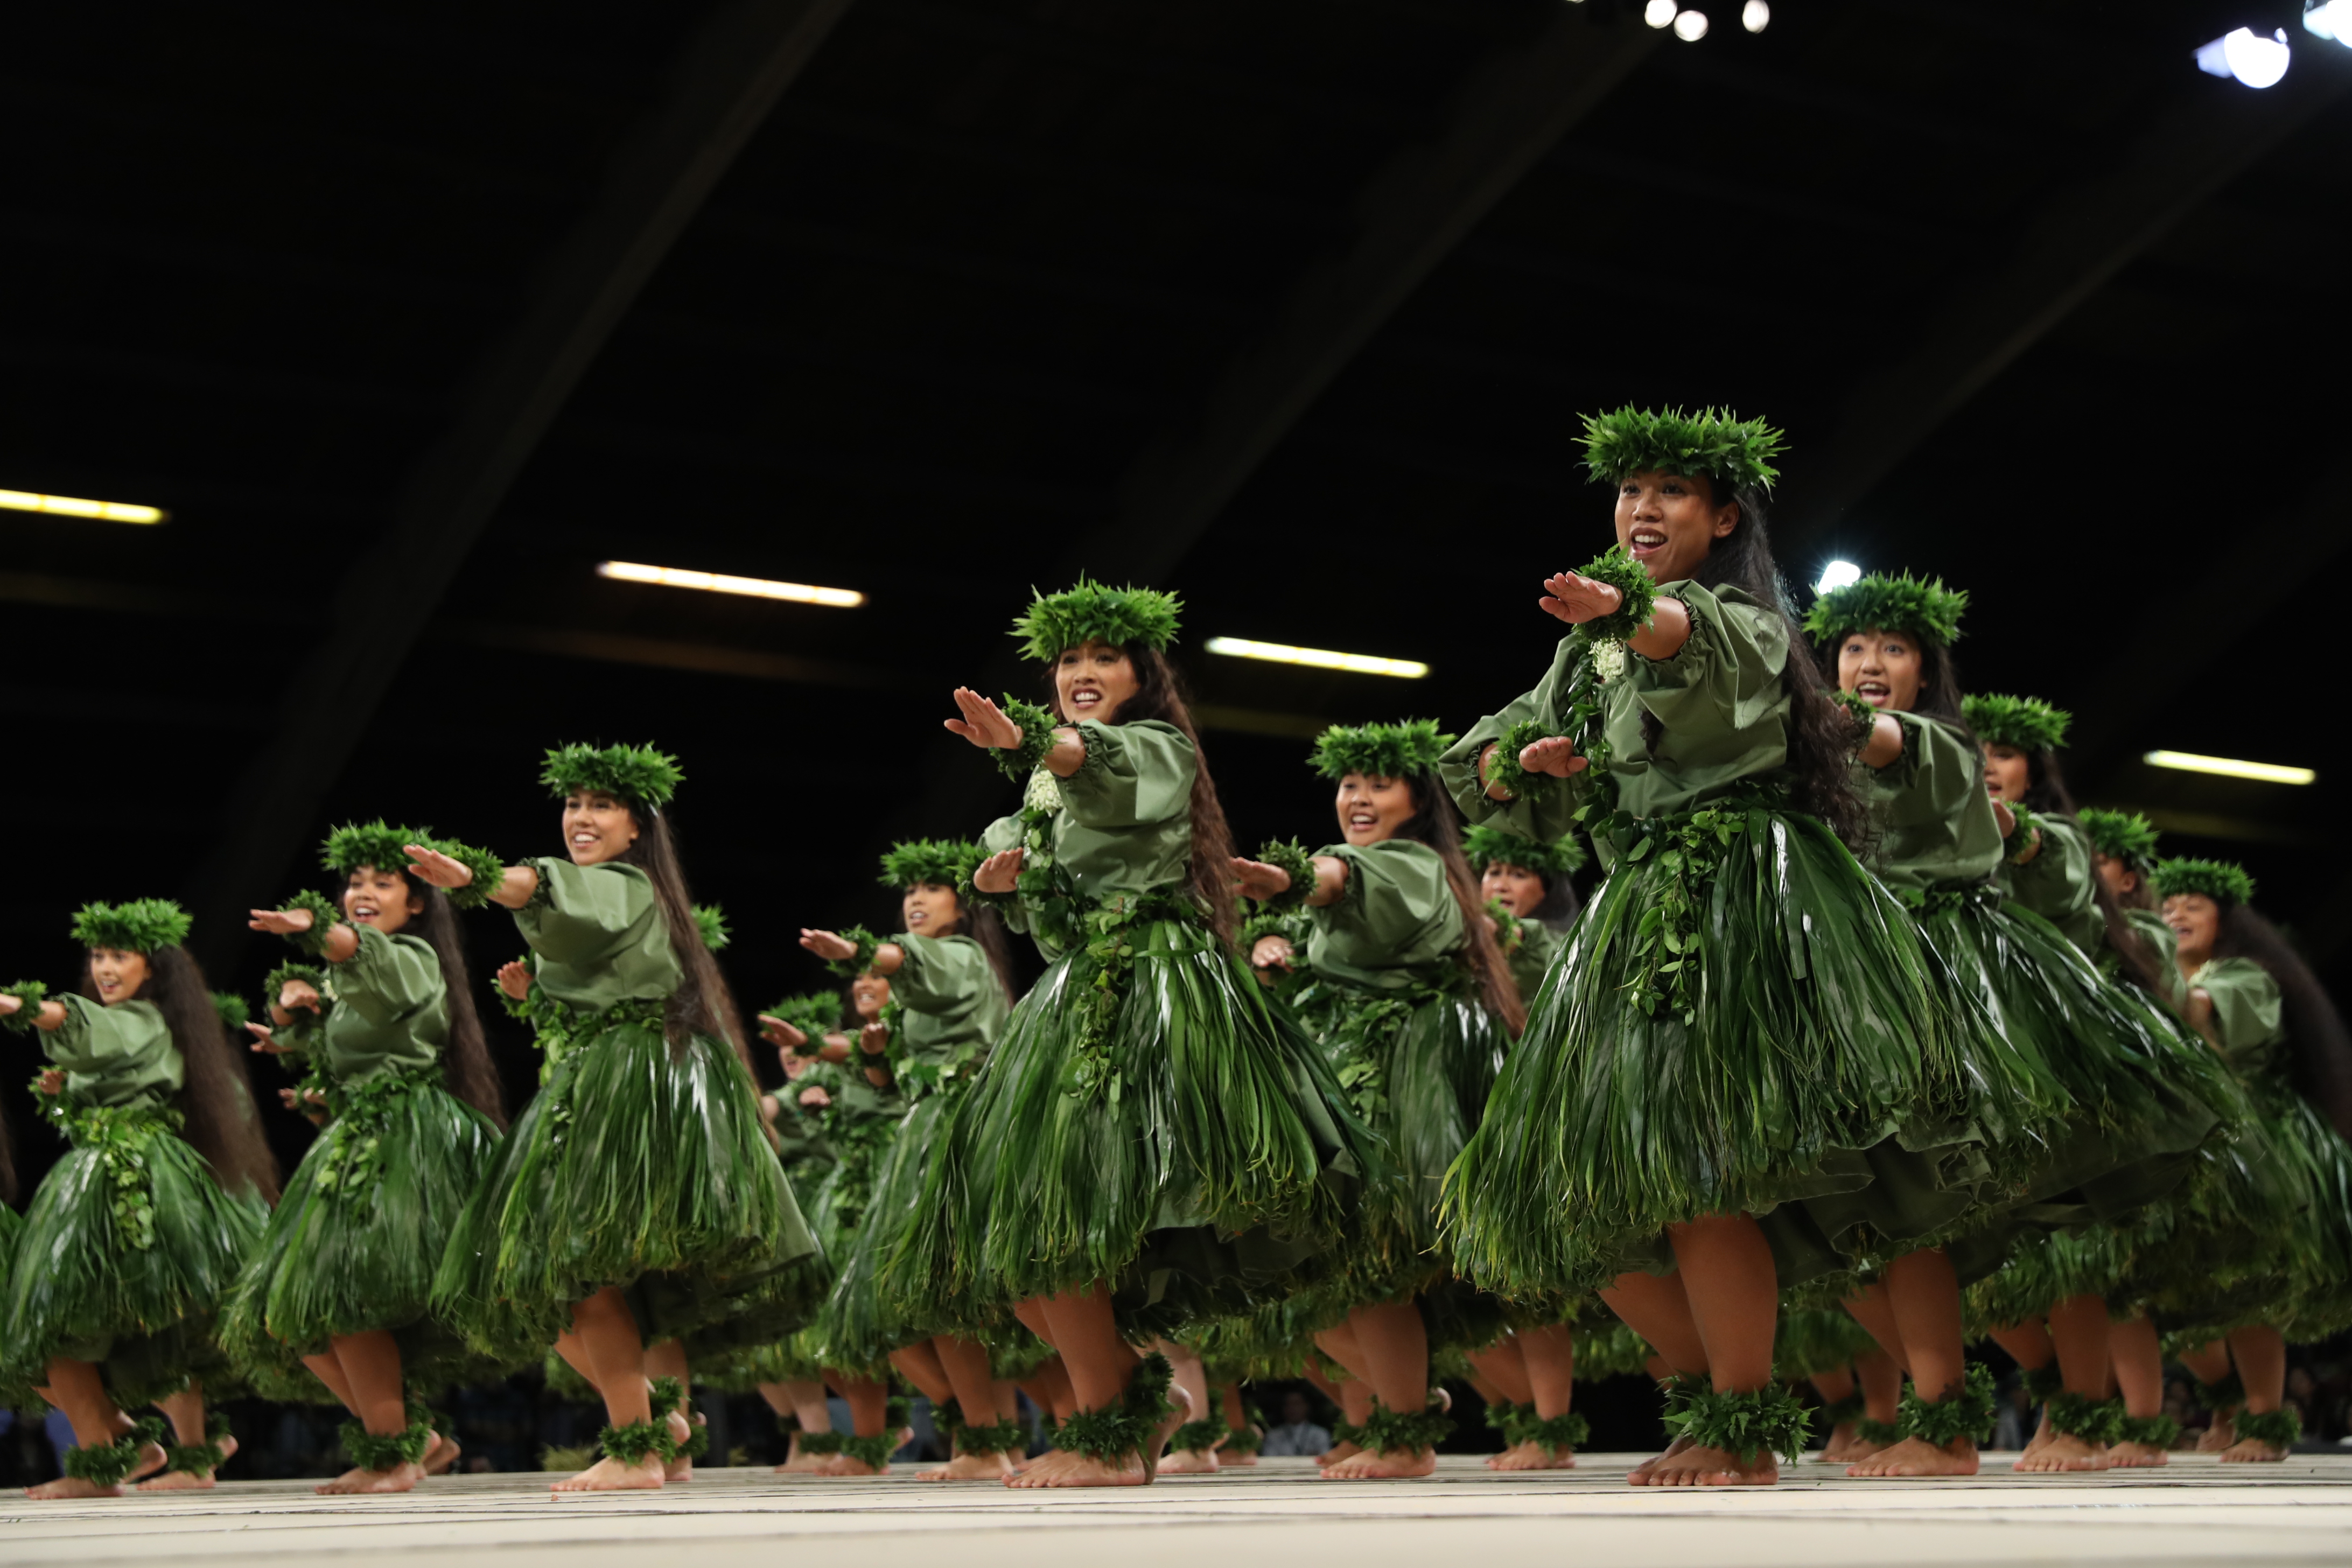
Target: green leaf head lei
pixel 2026 723
pixel 376 844
pixel 1091 612
pixel 2224 881
pixel 814 1013
pixel 235 1014
pixel 931 862
pixel 640 775
pixel 1916 606
pixel 2124 836
pixel 711 921
pixel 142 925
pixel 1380 750
pixel 1713 443
pixel 1550 859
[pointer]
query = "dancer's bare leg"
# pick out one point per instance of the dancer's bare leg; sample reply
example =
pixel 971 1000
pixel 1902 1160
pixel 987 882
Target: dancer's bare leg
pixel 1194 1379
pixel 368 1366
pixel 608 1338
pixel 1655 1307
pixel 1237 1417
pixel 667 1358
pixel 76 1388
pixel 869 1415
pixel 2208 1363
pixel 2078 1333
pixel 1727 1279
pixel 1548 1354
pixel 974 1389
pixel 1394 1345
pixel 1101 1366
pixel 805 1402
pixel 2139 1375
pixel 1924 1294
pixel 1843 1445
pixel 2260 1353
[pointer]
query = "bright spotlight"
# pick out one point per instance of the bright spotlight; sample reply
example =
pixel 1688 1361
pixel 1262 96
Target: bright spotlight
pixel 1756 16
pixel 1838 575
pixel 2328 19
pixel 1660 13
pixel 1691 27
pixel 2253 59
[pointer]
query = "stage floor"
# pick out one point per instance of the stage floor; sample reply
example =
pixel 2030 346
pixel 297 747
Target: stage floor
pixel 2194 1511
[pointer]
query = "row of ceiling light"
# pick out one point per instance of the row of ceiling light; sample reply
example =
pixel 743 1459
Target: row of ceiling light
pixel 1689 23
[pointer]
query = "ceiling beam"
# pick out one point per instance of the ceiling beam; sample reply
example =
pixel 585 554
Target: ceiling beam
pixel 2084 232
pixel 720 89
pixel 1409 216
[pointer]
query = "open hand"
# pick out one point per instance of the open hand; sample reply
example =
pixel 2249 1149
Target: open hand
pixel 874 1039
pixel 983 722
pixel 1001 872
pixel 1555 755
pixel 265 1039
pixel 514 979
pixel 51 1081
pixel 815 1096
pixel 299 993
pixel 1257 879
pixel 1271 952
pixel 432 866
pixel 785 1036
pixel 827 945
pixel 281 923
pixel 1577 600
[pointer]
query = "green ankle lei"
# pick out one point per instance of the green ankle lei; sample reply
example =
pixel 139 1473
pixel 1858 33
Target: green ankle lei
pixel 1511 1420
pixel 388 1450
pixel 1966 1412
pixel 996 1437
pixel 201 1458
pixel 1197 1436
pixel 631 1443
pixel 874 1452
pixel 1770 1421
pixel 1562 1434
pixel 1385 1431
pixel 2151 1431
pixel 2043 1383
pixel 2274 1428
pixel 1838 1411
pixel 822 1442
pixel 107 1464
pixel 2225 1394
pixel 2092 1420
pixel 1125 1428
pixel 1879 1434
pixel 1248 1438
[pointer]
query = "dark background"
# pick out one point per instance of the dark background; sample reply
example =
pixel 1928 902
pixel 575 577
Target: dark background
pixel 411 314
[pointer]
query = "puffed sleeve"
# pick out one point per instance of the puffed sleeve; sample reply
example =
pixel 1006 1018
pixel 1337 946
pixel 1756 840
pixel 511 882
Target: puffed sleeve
pixel 1724 680
pixel 2058 883
pixel 1546 818
pixel 1134 774
pixel 390 977
pixel 2248 1011
pixel 585 915
pixel 94 1038
pixel 1397 907
pixel 943 976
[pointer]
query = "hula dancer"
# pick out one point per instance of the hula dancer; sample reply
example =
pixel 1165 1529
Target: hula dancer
pixel 636 1198
pixel 1530 901
pixel 341 1276
pixel 144 1222
pixel 2255 1000
pixel 1150 1144
pixel 1413 1006
pixel 1715 1078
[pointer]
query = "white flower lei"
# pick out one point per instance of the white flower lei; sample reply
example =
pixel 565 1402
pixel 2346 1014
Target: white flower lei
pixel 1043 793
pixel 1609 659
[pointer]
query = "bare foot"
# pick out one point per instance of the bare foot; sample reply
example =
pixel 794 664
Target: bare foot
pixel 1918 1457
pixel 680 1432
pixel 1337 1453
pixel 1847 1445
pixel 399 1478
pixel 800 1464
pixel 2220 1437
pixel 181 1481
pixel 1059 1468
pixel 1190 1462
pixel 1530 1456
pixel 1389 1464
pixel 972 1467
pixel 610 1475
pixel 1638 1476
pixel 2136 1455
pixel 2252 1451
pixel 1180 1411
pixel 66 1487
pixel 2042 1435
pixel 1699 1466
pixel 1242 1461
pixel 441 1455
pixel 2065 1452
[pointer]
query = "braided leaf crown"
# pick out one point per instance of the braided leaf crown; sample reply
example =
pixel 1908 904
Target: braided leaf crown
pixel 1713 443
pixel 1091 612
pixel 938 862
pixel 813 1013
pixel 142 925
pixel 638 774
pixel 2124 836
pixel 1550 859
pixel 2026 723
pixel 1916 606
pixel 375 843
pixel 2224 881
pixel 1380 750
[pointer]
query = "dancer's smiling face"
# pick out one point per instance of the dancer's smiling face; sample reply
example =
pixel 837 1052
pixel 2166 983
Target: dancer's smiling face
pixel 2196 922
pixel 929 909
pixel 1882 667
pixel 597 826
pixel 1515 887
pixel 118 974
pixel 1092 681
pixel 2008 773
pixel 381 899
pixel 1371 809
pixel 1670 522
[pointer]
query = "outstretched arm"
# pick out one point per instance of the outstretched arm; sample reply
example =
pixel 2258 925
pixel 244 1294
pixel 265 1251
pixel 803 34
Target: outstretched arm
pixel 986 725
pixel 1257 879
pixel 336 947
pixel 1576 600
pixel 513 891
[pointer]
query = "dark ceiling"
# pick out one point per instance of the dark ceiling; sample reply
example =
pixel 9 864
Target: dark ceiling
pixel 409 315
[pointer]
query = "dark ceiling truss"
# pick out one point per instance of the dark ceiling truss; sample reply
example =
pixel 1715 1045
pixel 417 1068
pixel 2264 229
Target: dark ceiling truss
pixel 725 82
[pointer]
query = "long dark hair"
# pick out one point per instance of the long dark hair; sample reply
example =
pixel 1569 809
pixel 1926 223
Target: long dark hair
pixel 216 1098
pixel 2046 791
pixel 2321 1052
pixel 1431 823
pixel 1160 694
pixel 466 1067
pixel 702 1003
pixel 982 923
pixel 8 1161
pixel 1821 735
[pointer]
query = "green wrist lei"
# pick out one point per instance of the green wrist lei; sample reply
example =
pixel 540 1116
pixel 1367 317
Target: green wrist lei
pixel 2276 1428
pixel 2022 836
pixel 1770 1421
pixel 32 994
pixel 1966 1412
pixel 1561 1434
pixel 860 962
pixel 1386 1432
pixel 1125 1428
pixel 2092 1420
pixel 1036 738
pixel 1508 934
pixel 324 918
pixel 286 974
pixel 107 1464
pixel 489 873
pixel 1617 568
pixel 1864 717
pixel 1505 770
pixel 820 1442
pixel 1289 854
pixel 1838 1411
pixel 1878 1434
pixel 2227 1392
pixel 389 1450
pixel 1197 1436
pixel 2043 1383
pixel 2155 1431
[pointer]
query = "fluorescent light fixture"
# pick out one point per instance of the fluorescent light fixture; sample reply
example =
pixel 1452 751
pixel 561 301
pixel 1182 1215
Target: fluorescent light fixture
pixel 2328 19
pixel 70 506
pixel 2248 56
pixel 1756 16
pixel 1660 13
pixel 1317 658
pixel 717 582
pixel 1838 575
pixel 2230 768
pixel 1691 27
